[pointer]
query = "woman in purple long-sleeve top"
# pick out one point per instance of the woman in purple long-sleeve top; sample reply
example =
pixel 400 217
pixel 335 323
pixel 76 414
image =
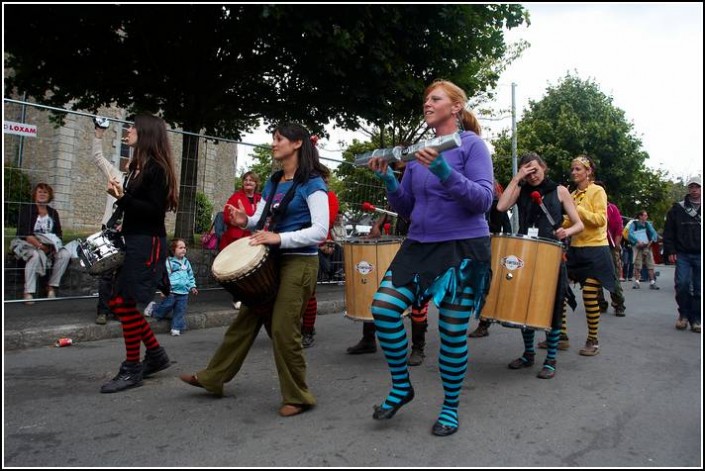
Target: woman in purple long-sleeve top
pixel 446 256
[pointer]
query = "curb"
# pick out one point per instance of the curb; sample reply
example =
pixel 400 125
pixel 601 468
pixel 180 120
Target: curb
pixel 86 332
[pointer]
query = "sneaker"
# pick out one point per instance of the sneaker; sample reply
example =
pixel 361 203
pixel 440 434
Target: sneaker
pixel 51 293
pixel 695 327
pixel 155 360
pixel 619 312
pixel 548 371
pixel 28 299
pixel 101 319
pixel 681 324
pixel 308 340
pixel 563 343
pixel 653 286
pixel 129 376
pixel 149 309
pixel 417 356
pixel 636 285
pixel 524 361
pixel 590 349
pixel 175 333
pixel 604 306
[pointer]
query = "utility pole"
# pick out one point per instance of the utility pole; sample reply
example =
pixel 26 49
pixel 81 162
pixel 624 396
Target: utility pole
pixel 515 213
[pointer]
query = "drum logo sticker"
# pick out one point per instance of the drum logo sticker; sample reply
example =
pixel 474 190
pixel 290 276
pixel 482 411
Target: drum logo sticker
pixel 365 268
pixel 512 262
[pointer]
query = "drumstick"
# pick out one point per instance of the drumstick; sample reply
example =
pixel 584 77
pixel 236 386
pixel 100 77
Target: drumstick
pixel 536 197
pixel 369 207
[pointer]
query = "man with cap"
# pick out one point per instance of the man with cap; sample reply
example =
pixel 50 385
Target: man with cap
pixel 681 244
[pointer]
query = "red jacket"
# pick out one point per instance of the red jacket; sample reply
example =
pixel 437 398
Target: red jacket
pixel 233 232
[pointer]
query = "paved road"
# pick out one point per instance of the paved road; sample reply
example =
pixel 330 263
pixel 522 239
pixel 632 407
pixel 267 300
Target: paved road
pixel 637 404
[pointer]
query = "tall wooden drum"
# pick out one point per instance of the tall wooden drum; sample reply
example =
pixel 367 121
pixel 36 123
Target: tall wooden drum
pixel 366 261
pixel 524 279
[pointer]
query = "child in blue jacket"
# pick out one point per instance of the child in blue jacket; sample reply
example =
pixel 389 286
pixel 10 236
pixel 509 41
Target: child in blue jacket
pixel 182 283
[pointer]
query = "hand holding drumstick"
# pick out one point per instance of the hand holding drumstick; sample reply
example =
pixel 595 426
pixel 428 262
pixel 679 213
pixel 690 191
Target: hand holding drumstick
pixel 115 189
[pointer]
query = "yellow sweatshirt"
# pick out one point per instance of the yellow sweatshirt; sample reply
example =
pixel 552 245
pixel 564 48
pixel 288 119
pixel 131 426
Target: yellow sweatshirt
pixel 592 209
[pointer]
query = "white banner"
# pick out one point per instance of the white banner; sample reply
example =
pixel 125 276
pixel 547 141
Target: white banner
pixel 21 129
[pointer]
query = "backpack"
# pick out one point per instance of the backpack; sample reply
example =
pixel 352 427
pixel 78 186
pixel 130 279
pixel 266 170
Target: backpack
pixel 625 233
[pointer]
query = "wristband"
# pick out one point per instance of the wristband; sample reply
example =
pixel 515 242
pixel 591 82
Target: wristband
pixel 440 168
pixel 390 181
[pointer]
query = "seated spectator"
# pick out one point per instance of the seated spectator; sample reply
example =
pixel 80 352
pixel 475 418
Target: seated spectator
pixel 39 242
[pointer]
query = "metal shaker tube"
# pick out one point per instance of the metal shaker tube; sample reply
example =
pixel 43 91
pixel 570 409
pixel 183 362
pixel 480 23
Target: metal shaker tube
pixel 399 153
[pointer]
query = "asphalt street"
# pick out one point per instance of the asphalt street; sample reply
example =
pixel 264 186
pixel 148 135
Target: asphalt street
pixel 636 404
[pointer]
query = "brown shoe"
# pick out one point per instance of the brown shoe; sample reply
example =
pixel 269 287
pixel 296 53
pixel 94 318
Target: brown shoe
pixel 288 410
pixel 548 371
pixel 590 349
pixel 524 361
pixel 190 379
pixel 481 331
pixel 681 324
pixel 563 344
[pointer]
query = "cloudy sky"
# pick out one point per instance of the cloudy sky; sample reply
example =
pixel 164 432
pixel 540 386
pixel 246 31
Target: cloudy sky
pixel 648 57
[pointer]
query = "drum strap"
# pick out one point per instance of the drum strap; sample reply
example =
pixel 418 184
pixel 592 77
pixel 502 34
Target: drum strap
pixel 280 210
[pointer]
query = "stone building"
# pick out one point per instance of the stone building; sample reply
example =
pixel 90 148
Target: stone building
pixel 61 156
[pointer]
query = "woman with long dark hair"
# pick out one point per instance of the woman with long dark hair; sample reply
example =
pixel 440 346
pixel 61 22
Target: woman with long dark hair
pixel 292 219
pixel 147 193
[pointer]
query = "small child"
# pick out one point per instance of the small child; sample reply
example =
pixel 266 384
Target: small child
pixel 182 282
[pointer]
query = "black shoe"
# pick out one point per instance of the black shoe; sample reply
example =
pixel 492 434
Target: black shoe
pixel 381 413
pixel 416 357
pixel 604 306
pixel 155 360
pixel 443 430
pixel 129 376
pixel 307 340
pixel 363 346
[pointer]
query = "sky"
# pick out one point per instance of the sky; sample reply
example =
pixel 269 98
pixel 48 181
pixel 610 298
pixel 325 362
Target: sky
pixel 647 57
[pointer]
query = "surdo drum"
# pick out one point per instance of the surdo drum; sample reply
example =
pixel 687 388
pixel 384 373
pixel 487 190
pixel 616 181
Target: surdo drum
pixel 366 262
pixel 524 278
pixel 248 272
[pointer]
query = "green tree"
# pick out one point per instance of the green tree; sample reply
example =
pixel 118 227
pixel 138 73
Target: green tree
pixel 575 117
pixel 204 213
pixel 220 69
pixel 262 165
pixel 17 190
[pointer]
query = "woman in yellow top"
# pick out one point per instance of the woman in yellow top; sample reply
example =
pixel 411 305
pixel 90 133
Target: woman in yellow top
pixel 589 261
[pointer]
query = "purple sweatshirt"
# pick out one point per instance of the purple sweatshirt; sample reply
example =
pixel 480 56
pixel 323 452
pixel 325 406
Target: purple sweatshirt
pixel 455 208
